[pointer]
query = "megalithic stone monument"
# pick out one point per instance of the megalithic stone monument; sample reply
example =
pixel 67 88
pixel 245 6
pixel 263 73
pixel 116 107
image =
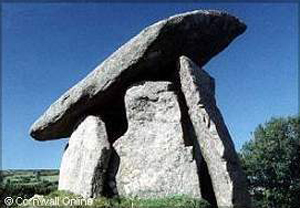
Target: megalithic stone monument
pixel 145 123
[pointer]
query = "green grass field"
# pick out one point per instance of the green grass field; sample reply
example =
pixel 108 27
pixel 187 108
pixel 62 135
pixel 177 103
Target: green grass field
pixel 27 183
pixel 26 177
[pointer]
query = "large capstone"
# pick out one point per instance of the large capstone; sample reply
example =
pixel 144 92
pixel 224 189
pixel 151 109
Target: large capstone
pixel 85 161
pixel 154 158
pixel 151 55
pixel 216 146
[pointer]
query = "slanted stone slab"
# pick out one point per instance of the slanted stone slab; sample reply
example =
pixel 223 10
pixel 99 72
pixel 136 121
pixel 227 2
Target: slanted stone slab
pixel 85 161
pixel 153 53
pixel 154 160
pixel 216 146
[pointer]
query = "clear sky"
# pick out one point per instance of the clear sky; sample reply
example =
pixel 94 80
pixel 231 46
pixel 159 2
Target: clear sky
pixel 47 48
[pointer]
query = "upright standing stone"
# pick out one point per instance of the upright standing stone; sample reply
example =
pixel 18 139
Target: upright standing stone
pixel 154 160
pixel 216 146
pixel 85 161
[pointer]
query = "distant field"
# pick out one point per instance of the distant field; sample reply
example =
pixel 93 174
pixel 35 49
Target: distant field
pixel 27 183
pixel 29 177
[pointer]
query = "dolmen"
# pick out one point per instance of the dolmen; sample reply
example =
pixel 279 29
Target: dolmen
pixel 145 122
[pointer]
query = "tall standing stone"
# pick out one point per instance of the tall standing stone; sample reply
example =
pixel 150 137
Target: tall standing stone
pixel 154 160
pixel 216 146
pixel 85 161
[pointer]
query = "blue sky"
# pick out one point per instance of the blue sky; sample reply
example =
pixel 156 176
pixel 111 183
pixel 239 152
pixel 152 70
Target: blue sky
pixel 47 48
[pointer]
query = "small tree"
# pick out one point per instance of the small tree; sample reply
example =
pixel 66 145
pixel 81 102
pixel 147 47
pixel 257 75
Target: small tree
pixel 271 161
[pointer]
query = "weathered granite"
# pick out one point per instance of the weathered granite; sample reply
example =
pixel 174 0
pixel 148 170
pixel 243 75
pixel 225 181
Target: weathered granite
pixel 151 54
pixel 217 148
pixel 154 160
pixel 85 161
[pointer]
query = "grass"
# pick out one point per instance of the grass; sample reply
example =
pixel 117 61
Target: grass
pixel 50 178
pixel 169 202
pixel 27 182
pixel 25 177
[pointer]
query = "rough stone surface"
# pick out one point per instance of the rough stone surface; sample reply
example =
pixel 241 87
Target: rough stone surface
pixel 154 160
pixel 216 146
pixel 85 161
pixel 151 54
